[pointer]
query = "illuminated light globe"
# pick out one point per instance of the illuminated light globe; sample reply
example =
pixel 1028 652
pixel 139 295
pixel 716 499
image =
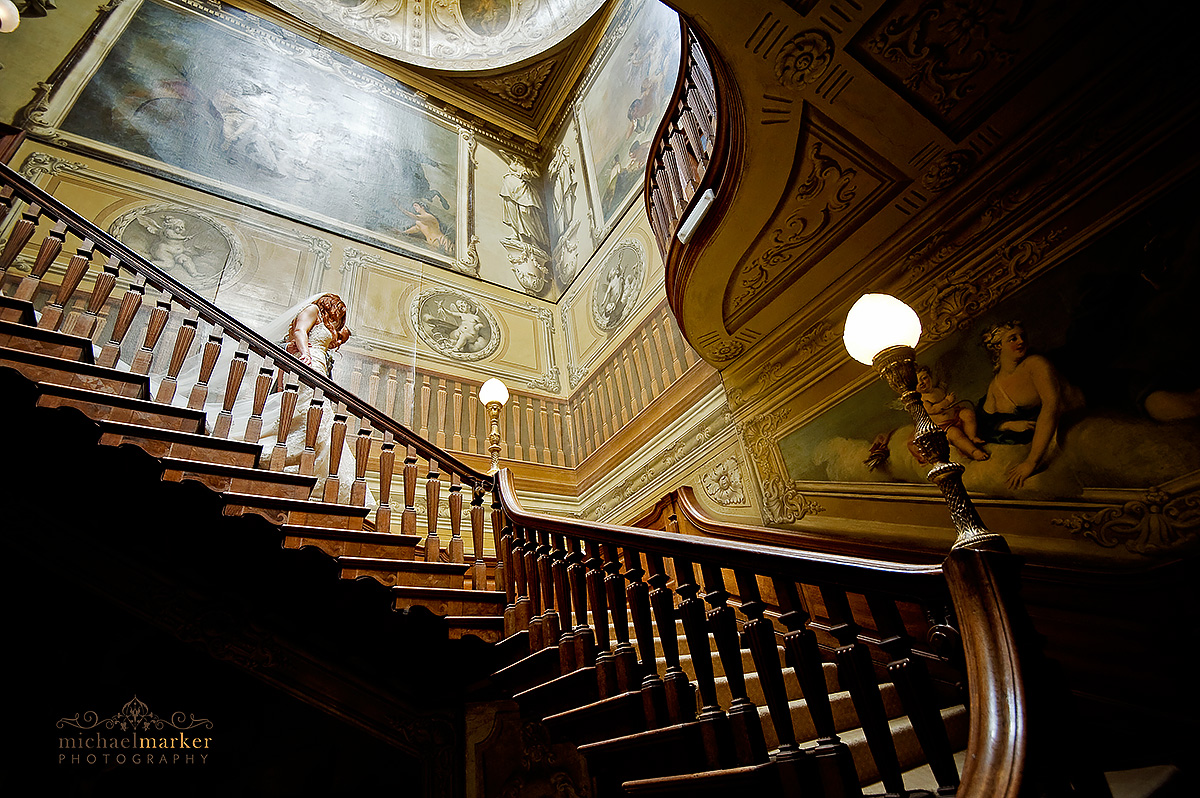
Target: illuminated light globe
pixel 493 391
pixel 9 18
pixel 878 322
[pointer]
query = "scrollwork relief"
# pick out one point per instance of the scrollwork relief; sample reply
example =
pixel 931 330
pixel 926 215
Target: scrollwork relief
pixel 1157 523
pixel 783 502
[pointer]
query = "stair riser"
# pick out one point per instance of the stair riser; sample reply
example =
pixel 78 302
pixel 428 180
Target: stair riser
pixel 144 417
pixel 67 351
pixel 181 449
pixel 338 548
pixel 228 484
pixel 405 578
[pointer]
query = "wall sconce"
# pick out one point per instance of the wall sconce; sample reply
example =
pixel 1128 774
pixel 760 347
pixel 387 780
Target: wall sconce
pixel 9 17
pixel 882 331
pixel 493 395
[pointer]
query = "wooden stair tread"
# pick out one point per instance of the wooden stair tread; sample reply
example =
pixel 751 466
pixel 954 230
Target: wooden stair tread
pixel 299 505
pixel 19 311
pixel 196 439
pixel 490 596
pixel 249 472
pixel 74 373
pixel 182 418
pixel 39 335
pixel 356 535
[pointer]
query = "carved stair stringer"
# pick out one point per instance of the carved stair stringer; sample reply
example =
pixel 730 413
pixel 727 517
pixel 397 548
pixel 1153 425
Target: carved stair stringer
pixel 226 586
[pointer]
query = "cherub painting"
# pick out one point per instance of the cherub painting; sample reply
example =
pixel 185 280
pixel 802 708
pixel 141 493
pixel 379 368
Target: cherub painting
pixel 455 325
pixel 955 416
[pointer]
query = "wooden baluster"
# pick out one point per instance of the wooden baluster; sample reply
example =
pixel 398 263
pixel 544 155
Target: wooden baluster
pixel 312 429
pixel 551 623
pixel 51 245
pixel 85 324
pixel 111 351
pixel 911 678
pixel 749 746
pixel 583 636
pixel 154 330
pixel 183 344
pixel 521 584
pixel 680 694
pixel 408 518
pixel 362 455
pixel 52 313
pixel 262 389
pixel 689 167
pixel 691 129
pixel 456 423
pixel 233 384
pixel 505 556
pixel 628 677
pixel 680 197
pixel 716 734
pixel 387 464
pixel 208 362
pixel 606 667
pixel 637 592
pixel 21 233
pixel 705 116
pixel 479 567
pixel 455 501
pixel 336 443
pixel 562 590
pixel 533 578
pixel 287 413
pixel 856 674
pixel 794 766
pixel 502 568
pixel 433 493
pixel 834 763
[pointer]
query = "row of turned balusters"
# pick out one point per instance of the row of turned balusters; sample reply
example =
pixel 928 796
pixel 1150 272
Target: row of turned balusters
pixel 565 591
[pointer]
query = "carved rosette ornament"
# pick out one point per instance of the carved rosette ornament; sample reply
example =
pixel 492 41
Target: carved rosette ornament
pixel 519 88
pixel 804 59
pixel 947 170
pixel 724 483
pixel 1159 522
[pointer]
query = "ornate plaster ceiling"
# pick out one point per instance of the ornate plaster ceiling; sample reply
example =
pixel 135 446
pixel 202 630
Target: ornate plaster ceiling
pixel 456 35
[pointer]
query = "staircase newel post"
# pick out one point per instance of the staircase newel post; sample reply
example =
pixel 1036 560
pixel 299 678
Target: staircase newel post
pixel 503 570
pixel 550 620
pixel 715 730
pixel 856 674
pixel 562 589
pixel 585 638
pixel 680 694
pixel 834 762
pixel 750 748
pixel 606 666
pixel 504 564
pixel 637 592
pixel 911 678
pixel 624 654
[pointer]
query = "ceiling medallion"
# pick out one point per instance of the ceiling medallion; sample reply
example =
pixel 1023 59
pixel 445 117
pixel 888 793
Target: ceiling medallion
pixel 519 88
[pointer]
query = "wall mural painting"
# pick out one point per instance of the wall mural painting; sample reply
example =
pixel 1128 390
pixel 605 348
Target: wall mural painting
pixel 189 245
pixel 638 77
pixel 1086 378
pixel 456 325
pixel 564 188
pixel 528 246
pixel 248 110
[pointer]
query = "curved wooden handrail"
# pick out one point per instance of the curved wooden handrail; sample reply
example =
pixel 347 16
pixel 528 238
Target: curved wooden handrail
pixel 52 207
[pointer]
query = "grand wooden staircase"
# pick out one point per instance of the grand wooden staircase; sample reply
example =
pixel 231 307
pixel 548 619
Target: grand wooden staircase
pixel 677 665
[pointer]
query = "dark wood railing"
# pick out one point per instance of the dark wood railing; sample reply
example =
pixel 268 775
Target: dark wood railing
pixel 571 584
pixel 202 332
pixel 683 165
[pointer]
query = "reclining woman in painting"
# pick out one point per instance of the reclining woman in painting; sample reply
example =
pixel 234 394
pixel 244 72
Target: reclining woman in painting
pixel 1025 401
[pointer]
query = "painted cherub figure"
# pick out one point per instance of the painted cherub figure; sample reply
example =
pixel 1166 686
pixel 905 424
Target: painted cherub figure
pixel 956 417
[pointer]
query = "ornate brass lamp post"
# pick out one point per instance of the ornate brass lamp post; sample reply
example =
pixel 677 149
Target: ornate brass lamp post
pixel 493 395
pixel 882 331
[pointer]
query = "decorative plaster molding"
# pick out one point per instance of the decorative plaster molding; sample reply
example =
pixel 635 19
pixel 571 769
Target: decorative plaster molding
pixel 41 164
pixel 803 59
pixel 518 88
pixel 1158 523
pixel 723 483
pixel 783 503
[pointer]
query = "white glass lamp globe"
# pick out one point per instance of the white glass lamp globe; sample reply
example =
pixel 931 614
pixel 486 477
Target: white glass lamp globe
pixel 493 391
pixel 878 322
pixel 9 18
